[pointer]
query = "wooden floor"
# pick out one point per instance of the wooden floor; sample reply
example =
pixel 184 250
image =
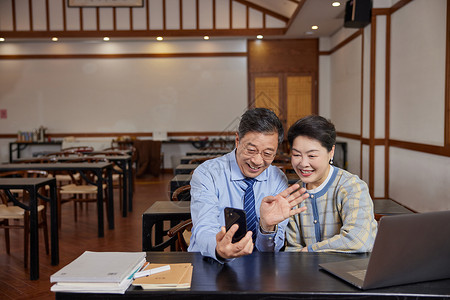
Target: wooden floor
pixel 75 238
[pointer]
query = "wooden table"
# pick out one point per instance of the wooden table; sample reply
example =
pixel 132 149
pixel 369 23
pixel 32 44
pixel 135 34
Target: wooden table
pixel 124 162
pixel 81 168
pixel 160 211
pixel 32 185
pixel 22 145
pixel 267 275
pixel 185 168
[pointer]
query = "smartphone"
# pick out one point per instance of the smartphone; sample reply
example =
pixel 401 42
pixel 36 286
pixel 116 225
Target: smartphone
pixel 236 216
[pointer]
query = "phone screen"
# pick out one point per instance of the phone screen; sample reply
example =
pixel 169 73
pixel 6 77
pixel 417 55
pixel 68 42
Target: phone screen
pixel 233 216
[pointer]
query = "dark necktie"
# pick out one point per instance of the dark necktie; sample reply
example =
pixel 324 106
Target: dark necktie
pixel 249 206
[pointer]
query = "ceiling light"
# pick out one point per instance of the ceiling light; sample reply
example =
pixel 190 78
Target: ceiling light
pixel 206 37
pixel 314 27
pixel 106 38
pixel 336 4
pixel 2 39
pixel 159 38
pixel 259 37
pixel 55 39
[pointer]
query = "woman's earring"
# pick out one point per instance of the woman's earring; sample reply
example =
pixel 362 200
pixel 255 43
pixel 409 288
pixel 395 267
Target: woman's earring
pixel 331 161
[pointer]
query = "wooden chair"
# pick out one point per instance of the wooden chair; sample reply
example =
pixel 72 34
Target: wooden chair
pixel 183 193
pixel 80 191
pixel 15 217
pixel 78 149
pixel 126 150
pixel 183 233
pixel 117 176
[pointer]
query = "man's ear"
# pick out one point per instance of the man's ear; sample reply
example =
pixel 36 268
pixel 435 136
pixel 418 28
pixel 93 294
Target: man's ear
pixel 236 141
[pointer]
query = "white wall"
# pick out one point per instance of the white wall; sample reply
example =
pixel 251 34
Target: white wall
pixel 419 180
pixel 76 95
pixel 417 102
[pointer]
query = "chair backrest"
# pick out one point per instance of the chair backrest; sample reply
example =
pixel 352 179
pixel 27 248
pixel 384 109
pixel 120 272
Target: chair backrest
pixel 78 149
pixel 63 154
pixel 183 233
pixel 183 193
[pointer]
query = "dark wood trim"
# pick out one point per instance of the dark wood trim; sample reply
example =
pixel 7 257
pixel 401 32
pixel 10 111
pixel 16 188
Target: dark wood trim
pixel 348 135
pixel 380 11
pixel 80 11
pixel 294 15
pixel 97 14
pixel 231 14
pixel 431 149
pixel 147 13
pixel 197 15
pixel 131 18
pixel 214 14
pixel 373 42
pixel 64 15
pixel 362 103
pixel 180 4
pixel 14 19
pixel 47 14
pixel 447 81
pixel 263 10
pixel 343 43
pixel 30 11
pixel 145 33
pixel 387 106
pixel 132 55
pixel 131 134
pixel 247 17
pixel 398 5
pixel 164 14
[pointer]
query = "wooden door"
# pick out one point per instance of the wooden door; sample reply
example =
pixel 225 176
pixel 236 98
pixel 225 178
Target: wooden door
pixel 290 96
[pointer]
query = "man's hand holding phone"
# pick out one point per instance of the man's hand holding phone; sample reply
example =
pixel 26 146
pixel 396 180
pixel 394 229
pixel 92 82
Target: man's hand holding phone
pixel 226 249
pixel 233 240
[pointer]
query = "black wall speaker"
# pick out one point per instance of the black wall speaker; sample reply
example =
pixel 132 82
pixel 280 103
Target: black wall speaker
pixel 357 13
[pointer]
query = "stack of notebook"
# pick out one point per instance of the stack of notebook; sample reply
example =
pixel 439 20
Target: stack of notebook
pixel 98 272
pixel 171 276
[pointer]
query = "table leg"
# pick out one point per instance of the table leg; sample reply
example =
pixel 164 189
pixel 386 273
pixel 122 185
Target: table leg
pixel 147 226
pixel 110 212
pixel 123 166
pixel 130 184
pixel 54 224
pixel 34 237
pixel 100 219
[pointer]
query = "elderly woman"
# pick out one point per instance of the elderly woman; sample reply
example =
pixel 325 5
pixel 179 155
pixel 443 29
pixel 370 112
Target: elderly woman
pixel 339 215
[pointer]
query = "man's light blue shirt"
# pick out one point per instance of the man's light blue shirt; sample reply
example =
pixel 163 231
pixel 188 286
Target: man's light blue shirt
pixel 219 183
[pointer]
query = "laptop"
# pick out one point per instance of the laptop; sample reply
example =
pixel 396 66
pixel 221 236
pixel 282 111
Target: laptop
pixel 408 248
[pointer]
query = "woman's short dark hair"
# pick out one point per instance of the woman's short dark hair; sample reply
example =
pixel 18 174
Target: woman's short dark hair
pixel 315 127
pixel 261 120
